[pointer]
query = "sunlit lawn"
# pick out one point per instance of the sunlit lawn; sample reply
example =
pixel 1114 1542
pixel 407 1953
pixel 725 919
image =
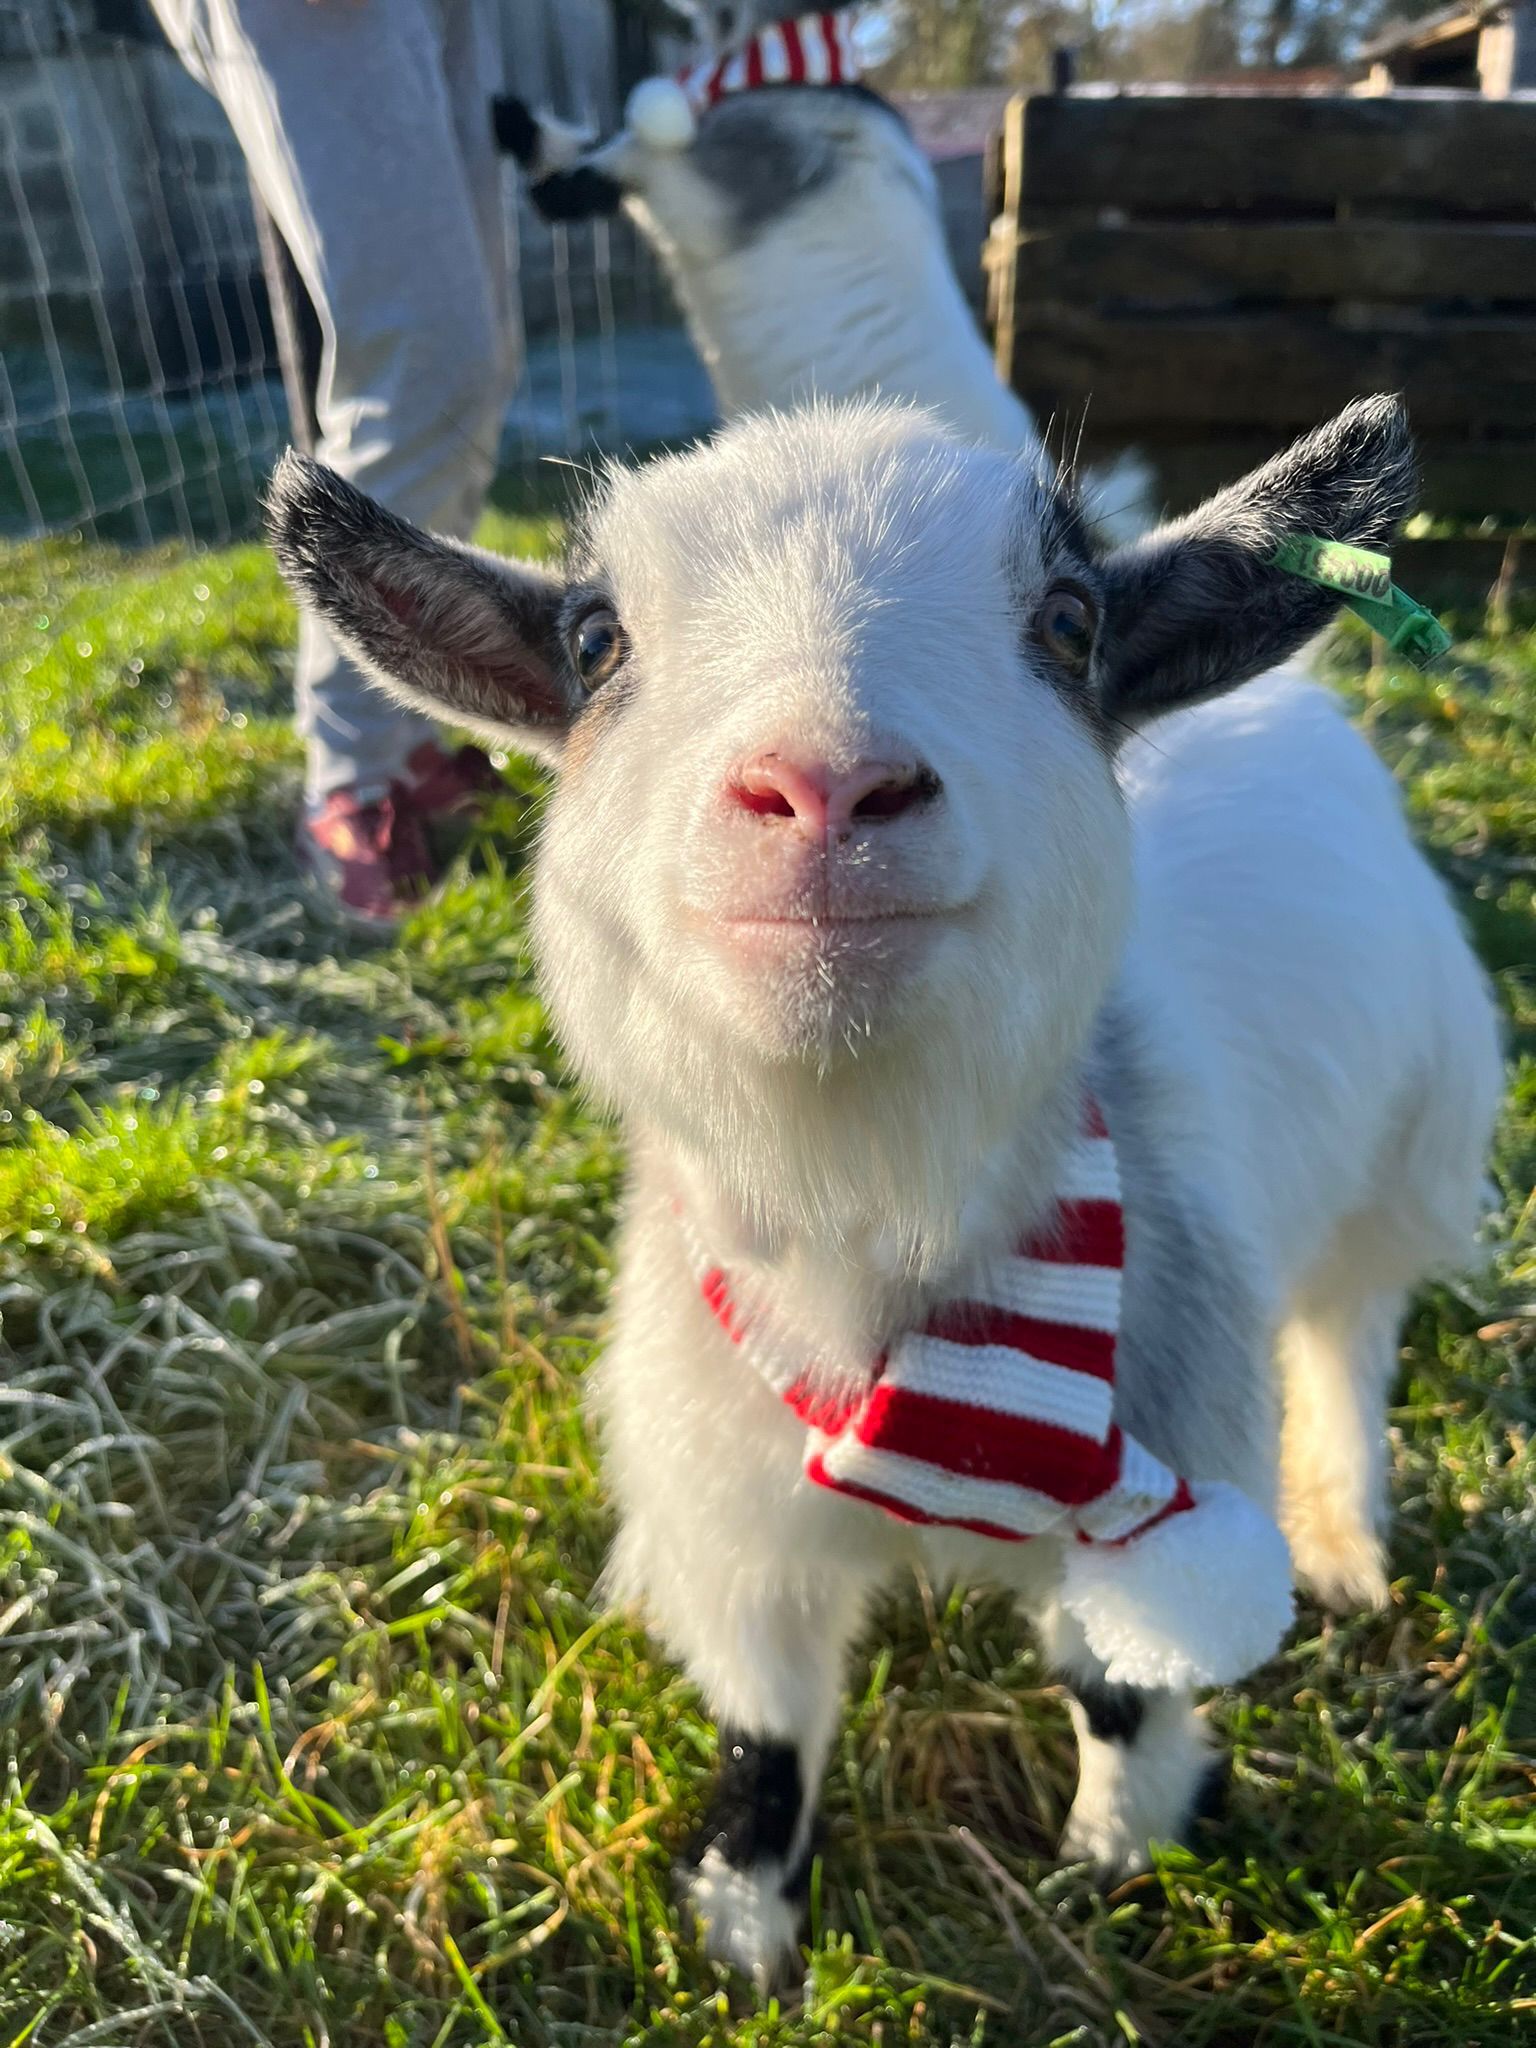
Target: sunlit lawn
pixel 312 1731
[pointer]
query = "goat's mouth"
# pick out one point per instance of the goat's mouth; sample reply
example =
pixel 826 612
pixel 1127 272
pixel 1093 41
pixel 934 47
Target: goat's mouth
pixel 863 945
pixel 796 984
pixel 831 932
pixel 825 921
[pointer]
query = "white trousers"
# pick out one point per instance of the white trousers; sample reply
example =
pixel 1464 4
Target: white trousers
pixel 367 128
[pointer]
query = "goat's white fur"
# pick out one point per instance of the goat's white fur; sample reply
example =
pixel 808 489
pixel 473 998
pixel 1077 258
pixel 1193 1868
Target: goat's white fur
pixel 849 290
pixel 1318 1063
pixel 846 290
pixel 1325 1061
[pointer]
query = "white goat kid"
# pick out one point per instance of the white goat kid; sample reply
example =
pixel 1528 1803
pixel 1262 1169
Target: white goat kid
pixel 801 229
pixel 853 877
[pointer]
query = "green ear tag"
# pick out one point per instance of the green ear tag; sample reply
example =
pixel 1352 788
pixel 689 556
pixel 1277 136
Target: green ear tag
pixel 1364 580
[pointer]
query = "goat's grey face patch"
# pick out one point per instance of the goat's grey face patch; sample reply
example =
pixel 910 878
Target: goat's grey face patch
pixel 762 165
pixel 725 23
pixel 767 152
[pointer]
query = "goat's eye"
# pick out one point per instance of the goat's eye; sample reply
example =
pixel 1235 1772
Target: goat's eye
pixel 1065 625
pixel 597 645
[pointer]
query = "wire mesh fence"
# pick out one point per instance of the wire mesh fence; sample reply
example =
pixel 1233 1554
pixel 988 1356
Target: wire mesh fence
pixel 141 394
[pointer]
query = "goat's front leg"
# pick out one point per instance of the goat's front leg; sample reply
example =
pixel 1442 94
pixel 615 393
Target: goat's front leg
pixel 1145 1773
pixel 773 1681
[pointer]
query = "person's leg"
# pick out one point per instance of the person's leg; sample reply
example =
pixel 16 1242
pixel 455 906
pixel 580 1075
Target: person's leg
pixel 347 121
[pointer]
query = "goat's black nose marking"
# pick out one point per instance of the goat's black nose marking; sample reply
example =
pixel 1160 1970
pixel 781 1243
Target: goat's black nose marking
pixel 577 194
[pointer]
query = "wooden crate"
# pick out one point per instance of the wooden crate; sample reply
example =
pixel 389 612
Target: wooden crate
pixel 1202 275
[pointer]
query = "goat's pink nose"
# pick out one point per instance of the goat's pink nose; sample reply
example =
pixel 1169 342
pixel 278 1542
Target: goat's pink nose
pixel 821 800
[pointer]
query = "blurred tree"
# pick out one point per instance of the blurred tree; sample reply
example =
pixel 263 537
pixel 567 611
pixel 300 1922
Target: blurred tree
pixel 938 43
pixel 942 43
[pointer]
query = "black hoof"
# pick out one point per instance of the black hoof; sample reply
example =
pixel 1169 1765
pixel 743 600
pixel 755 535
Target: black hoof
pixel 1210 1807
pixel 1114 1713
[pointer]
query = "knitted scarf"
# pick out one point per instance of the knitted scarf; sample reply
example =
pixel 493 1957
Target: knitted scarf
pixel 813 49
pixel 996 1416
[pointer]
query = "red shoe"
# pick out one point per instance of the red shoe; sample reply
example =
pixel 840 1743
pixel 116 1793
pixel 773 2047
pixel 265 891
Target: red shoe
pixel 437 784
pixel 374 857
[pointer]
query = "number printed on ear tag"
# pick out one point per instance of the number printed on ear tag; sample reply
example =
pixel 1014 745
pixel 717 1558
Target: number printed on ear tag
pixel 1364 580
pixel 1353 572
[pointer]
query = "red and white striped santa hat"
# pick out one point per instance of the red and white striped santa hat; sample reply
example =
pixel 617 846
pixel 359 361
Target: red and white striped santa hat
pixel 809 49
pixel 997 1416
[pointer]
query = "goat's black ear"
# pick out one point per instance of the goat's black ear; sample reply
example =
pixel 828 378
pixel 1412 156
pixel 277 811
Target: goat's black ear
pixel 447 629
pixel 1198 606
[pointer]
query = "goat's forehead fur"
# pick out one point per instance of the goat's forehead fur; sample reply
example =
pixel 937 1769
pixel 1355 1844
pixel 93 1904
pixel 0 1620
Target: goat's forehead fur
pixel 835 504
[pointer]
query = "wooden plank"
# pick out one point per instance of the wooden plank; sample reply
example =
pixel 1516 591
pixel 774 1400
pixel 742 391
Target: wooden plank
pixel 992 182
pixel 1460 481
pixel 1010 168
pixel 1456 571
pixel 1268 372
pixel 1191 265
pixel 999 256
pixel 1494 482
pixel 1170 152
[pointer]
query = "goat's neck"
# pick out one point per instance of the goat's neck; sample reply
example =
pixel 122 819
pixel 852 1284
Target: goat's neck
pixel 810 305
pixel 847 1272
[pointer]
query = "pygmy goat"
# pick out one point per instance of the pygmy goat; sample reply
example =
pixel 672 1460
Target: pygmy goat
pixel 800 226
pixel 958 1033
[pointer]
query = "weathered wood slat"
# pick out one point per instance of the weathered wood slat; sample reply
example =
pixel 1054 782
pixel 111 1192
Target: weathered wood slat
pixel 1268 372
pixel 1182 265
pixel 1455 571
pixel 1371 244
pixel 1460 481
pixel 1197 153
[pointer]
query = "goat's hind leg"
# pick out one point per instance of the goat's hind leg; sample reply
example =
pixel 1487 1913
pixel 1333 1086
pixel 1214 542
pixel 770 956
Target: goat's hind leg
pixel 1145 1771
pixel 1338 1357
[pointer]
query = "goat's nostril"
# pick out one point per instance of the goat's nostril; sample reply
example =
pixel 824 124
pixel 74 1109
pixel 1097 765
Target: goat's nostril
pixel 821 800
pixel 771 787
pixel 885 802
pixel 881 790
pixel 891 798
pixel 767 803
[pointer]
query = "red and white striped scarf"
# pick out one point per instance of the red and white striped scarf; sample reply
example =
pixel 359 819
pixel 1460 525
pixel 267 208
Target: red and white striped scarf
pixel 997 1415
pixel 814 49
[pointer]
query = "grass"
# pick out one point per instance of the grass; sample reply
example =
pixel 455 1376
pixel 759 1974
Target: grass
pixel 312 1731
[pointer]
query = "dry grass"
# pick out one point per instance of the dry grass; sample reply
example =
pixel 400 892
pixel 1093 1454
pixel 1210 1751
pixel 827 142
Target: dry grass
pixel 312 1732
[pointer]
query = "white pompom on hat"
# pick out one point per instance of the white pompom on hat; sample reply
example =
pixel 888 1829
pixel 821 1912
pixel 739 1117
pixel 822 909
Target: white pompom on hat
pixel 659 114
pixel 811 49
